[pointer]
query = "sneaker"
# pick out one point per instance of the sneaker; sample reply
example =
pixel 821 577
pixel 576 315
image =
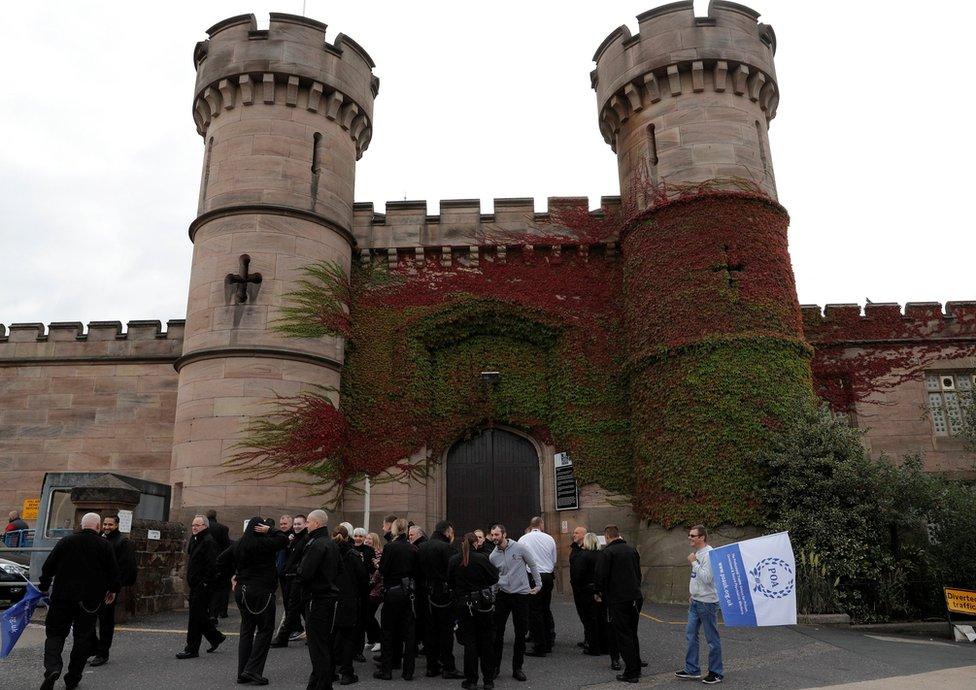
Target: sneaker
pixel 376 647
pixel 711 679
pixel 98 661
pixel 684 675
pixel 297 635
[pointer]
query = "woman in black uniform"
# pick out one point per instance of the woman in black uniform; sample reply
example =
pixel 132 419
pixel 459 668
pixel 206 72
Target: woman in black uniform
pixel 470 576
pixel 252 562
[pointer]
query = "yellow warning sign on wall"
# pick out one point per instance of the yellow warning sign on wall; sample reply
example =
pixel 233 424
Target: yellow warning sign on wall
pixel 29 511
pixel 960 600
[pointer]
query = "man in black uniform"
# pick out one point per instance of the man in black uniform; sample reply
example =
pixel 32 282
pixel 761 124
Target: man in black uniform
pixel 318 573
pixel 434 555
pixel 221 589
pixel 201 575
pixel 125 557
pixel 398 567
pixel 618 578
pixel 292 621
pixel 85 577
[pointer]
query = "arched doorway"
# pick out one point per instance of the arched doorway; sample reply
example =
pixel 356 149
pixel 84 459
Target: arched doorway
pixel 492 477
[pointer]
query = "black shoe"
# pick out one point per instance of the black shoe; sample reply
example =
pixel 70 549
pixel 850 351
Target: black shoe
pixel 407 676
pixel 488 685
pixel 380 675
pixel 255 678
pixel 349 680
pixel 628 679
pixel 71 683
pixel 279 642
pixel 615 666
pixel 453 674
pixel 359 658
pixel 518 674
pixel 50 679
pixel 213 646
pixel 186 655
pixel 536 652
pixel 580 644
pixel 98 661
pixel 243 680
pixel 643 664
pixel 432 673
pixel 591 652
pixel 469 685
pixel 684 675
pixel 711 679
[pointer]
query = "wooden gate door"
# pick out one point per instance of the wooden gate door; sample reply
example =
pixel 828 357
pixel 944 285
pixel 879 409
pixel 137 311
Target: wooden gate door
pixel 492 477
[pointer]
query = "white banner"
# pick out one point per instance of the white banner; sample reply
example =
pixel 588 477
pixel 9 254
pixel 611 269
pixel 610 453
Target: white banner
pixel 756 581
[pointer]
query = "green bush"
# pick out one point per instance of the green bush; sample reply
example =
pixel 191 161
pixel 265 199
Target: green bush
pixel 886 536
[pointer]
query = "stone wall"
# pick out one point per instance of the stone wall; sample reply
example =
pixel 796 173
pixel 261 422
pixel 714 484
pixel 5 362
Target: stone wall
pixel 71 399
pixel 161 562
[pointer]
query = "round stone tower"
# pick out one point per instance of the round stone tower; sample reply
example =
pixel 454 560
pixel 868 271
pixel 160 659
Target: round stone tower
pixel 689 98
pixel 713 324
pixel 284 117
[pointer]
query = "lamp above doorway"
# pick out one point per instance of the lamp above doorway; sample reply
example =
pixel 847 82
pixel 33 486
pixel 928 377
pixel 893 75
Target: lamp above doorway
pixel 490 377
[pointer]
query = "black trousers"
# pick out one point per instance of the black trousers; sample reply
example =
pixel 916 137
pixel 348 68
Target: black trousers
pixel 294 612
pixel 105 630
pixel 219 599
pixel 439 644
pixel 200 624
pixel 585 609
pixel 372 625
pixel 63 616
pixel 397 626
pixel 320 617
pixel 623 621
pixel 257 628
pixel 540 616
pixel 606 641
pixel 516 605
pixel 476 631
pixel 344 649
pixel 421 612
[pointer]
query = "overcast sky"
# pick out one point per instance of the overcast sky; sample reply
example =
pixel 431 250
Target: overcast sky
pixel 873 143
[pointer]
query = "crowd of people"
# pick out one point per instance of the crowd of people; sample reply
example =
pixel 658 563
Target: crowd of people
pixel 427 590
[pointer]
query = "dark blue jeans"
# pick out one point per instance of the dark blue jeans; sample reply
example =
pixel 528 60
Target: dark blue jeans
pixel 703 615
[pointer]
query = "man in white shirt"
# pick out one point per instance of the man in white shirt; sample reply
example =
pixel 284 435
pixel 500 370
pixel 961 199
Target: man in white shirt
pixel 542 548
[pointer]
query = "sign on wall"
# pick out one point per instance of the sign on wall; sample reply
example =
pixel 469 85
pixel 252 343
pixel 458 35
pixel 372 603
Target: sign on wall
pixel 29 510
pixel 153 534
pixel 125 521
pixel 567 490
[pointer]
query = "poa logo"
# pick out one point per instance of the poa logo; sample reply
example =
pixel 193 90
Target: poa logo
pixel 773 578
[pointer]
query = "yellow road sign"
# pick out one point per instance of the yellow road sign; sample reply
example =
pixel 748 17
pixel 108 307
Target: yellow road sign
pixel 960 600
pixel 29 511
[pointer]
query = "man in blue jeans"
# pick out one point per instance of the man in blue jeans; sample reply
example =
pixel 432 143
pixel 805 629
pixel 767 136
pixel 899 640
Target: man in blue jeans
pixel 702 612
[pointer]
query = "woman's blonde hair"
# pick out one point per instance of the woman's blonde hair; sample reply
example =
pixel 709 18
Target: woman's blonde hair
pixel 375 538
pixel 590 542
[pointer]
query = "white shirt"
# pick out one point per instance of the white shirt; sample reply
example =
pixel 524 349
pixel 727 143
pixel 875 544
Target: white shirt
pixel 542 548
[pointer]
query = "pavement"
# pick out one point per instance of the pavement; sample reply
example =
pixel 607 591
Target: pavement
pixel 802 656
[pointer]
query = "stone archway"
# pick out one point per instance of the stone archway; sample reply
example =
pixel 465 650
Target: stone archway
pixel 492 477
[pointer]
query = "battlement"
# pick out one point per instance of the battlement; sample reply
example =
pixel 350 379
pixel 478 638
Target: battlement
pixel 888 323
pixel 461 223
pixel 291 63
pixel 675 52
pixel 104 341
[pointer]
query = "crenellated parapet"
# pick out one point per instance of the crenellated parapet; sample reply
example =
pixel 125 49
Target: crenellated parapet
pixel 102 342
pixel 406 225
pixel 289 63
pixel 889 323
pixel 689 98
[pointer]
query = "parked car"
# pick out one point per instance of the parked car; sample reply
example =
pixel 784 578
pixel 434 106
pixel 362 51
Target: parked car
pixel 13 582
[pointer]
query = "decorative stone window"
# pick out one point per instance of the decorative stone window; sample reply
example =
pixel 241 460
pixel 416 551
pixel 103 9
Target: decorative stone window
pixel 950 395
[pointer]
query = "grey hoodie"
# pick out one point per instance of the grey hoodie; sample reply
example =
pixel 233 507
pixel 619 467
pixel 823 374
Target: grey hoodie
pixel 702 585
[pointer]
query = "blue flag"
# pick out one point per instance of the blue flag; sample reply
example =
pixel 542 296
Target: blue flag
pixel 15 619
